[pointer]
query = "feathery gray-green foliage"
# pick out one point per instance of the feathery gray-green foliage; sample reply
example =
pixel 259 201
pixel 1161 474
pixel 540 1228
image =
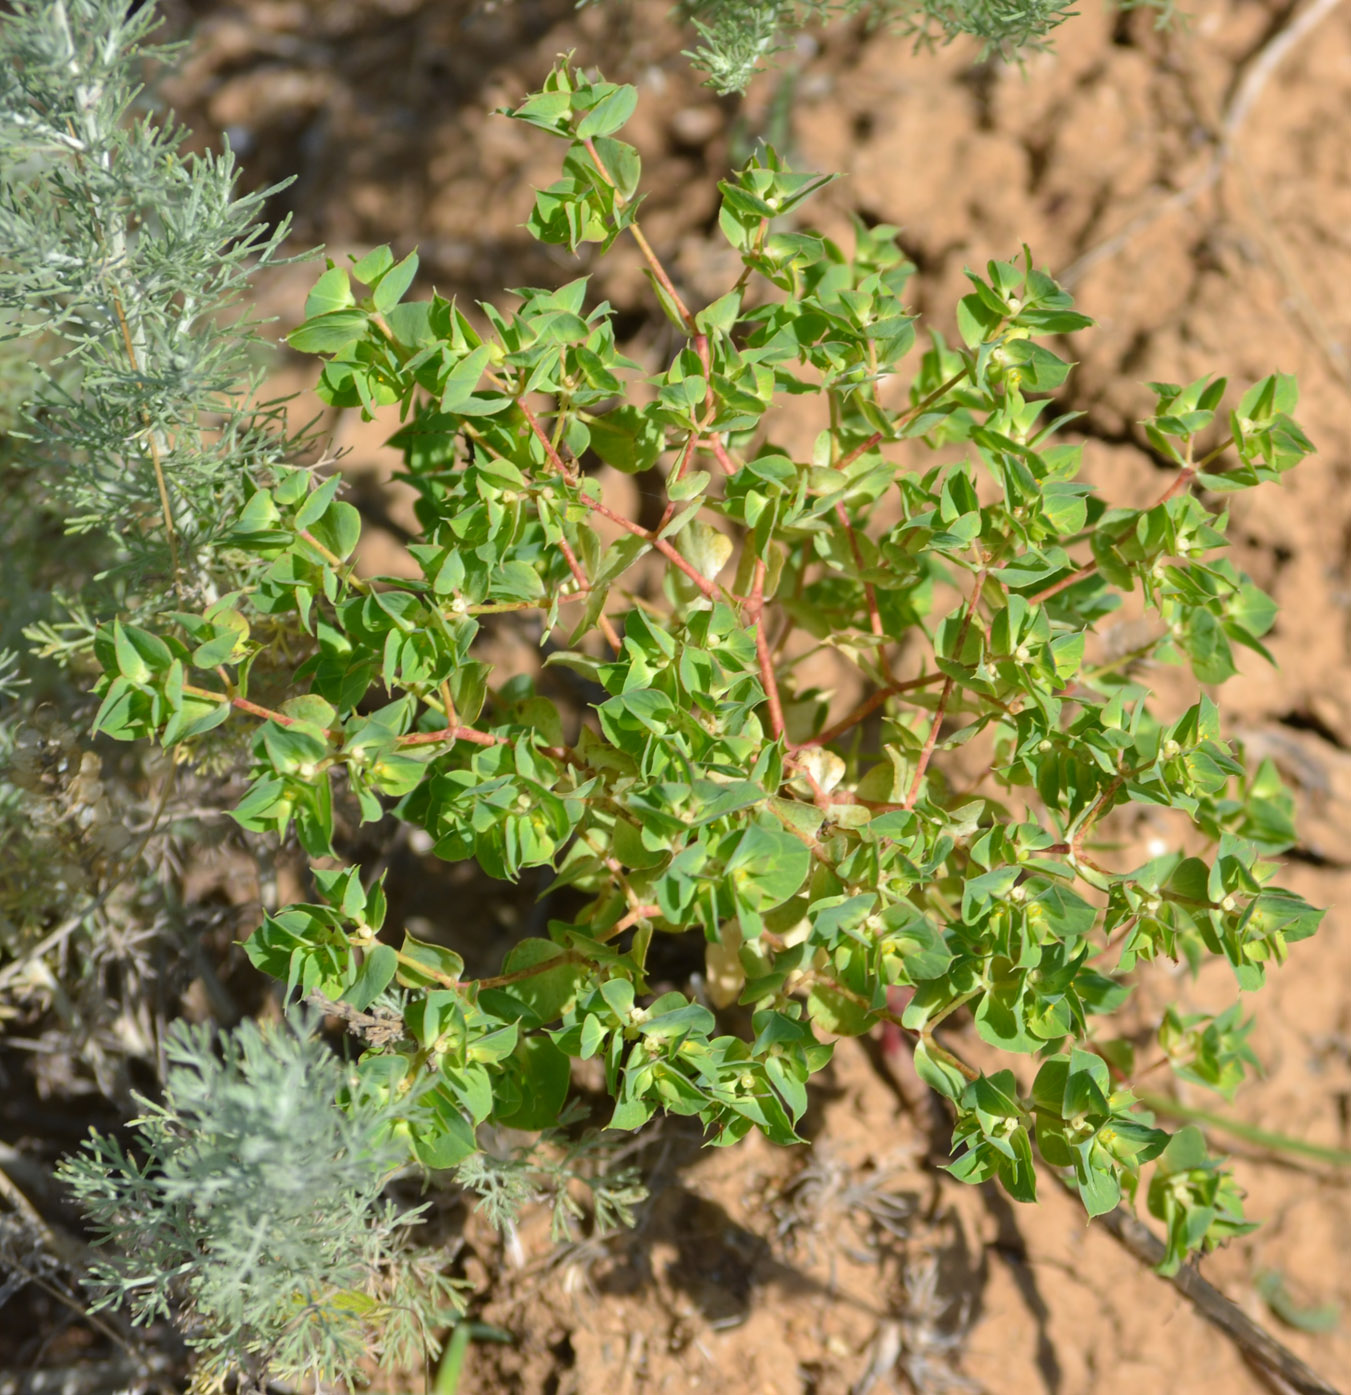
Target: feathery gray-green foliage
pixel 737 36
pixel 119 254
pixel 254 1211
pixel 546 1170
pixel 128 415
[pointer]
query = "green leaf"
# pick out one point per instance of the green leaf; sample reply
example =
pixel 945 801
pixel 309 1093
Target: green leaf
pixel 838 1012
pixel 332 291
pixel 622 163
pixel 443 1138
pixel 1207 646
pixel 609 114
pixel 368 270
pixel 329 333
pixel 768 866
pixel 293 750
pixel 1067 654
pixel 938 1074
pixel 376 974
pixel 139 653
pixel 629 438
pixel 394 283
pixel 705 548
pixel 545 1076
pixel 550 992
pixel 425 965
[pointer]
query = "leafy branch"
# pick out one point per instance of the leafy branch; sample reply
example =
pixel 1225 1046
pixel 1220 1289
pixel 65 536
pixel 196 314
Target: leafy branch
pixel 821 861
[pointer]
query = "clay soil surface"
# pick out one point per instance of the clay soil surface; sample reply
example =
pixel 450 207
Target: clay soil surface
pixel 1194 187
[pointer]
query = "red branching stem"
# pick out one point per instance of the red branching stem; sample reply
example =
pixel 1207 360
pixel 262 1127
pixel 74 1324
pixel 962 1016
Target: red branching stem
pixel 941 390
pixel 686 455
pixel 611 634
pixel 874 615
pixel 568 956
pixel 574 566
pixel 254 710
pixel 350 577
pixel 693 441
pixel 825 799
pixel 702 582
pixel 645 247
pixel 755 613
pixel 241 704
pixel 699 339
pixel 643 912
pixel 943 698
pixel 820 796
pixel 846 460
pixel 714 443
pixel 458 733
pixel 616 869
pixel 1065 582
pixel 454 732
pixel 908 415
pixel 472 985
pixel 600 164
pixel 1099 805
pixel 1181 480
pixel 542 436
pixel 868 706
pixel 595 505
pixel 579 576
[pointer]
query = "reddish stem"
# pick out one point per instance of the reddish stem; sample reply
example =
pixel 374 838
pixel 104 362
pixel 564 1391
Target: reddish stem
pixel 644 246
pixel 943 698
pixel 542 436
pixel 906 416
pixel 714 443
pixel 686 455
pixel 700 344
pixel 1180 482
pixel 846 460
pixel 430 738
pixel 662 546
pixel 1101 803
pixel 820 797
pixel 254 710
pixel 1065 582
pixel 874 615
pixel 644 912
pixel 755 613
pixel 579 576
pixel 868 706
pixel 825 800
pixel 569 956
pixel 241 704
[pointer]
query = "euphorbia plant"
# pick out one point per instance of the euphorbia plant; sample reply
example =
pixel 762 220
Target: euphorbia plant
pixel 836 875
